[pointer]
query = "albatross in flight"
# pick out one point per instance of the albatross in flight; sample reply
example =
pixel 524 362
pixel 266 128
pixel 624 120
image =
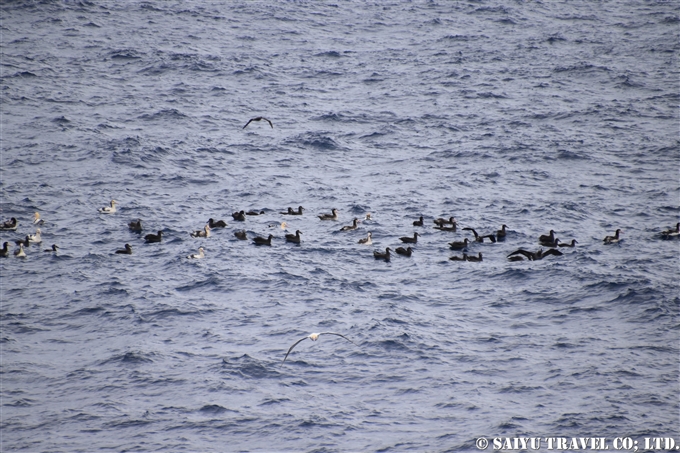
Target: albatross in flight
pixel 314 337
pixel 259 118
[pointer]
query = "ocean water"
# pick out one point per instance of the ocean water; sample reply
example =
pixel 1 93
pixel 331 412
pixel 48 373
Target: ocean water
pixel 538 115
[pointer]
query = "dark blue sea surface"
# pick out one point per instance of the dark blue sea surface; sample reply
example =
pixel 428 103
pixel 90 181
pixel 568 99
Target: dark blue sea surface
pixel 539 115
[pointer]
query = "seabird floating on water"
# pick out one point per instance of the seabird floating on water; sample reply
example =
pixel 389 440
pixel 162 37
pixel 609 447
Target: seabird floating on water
pixel 613 239
pixel 410 240
pixel 477 258
pixel 259 118
pixel 20 253
pixel 291 211
pixel 9 225
pixel 672 233
pixel 109 209
pixel 219 224
pixel 459 245
pixel 282 225
pixel 404 251
pixel 54 248
pixel 204 233
pixel 25 242
pixel 441 221
pixel 500 234
pixel 382 256
pixel 254 212
pixel 333 216
pixel 154 237
pixel 552 244
pixel 353 226
pixel 367 240
pixel 570 244
pixel 37 220
pixel 126 251
pixel 5 249
pixel 197 256
pixel 539 255
pixel 459 258
pixel 135 226
pixel 35 238
pixel 547 237
pixel 262 241
pixel 295 238
pixel 239 216
pixel 314 337
pixel 479 238
pixel 418 222
pixel 241 235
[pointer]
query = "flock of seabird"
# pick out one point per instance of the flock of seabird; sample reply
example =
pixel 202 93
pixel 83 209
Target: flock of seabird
pixel 442 224
pixel 548 240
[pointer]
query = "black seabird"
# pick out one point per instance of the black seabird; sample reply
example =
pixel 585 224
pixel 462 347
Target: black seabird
pixel 52 249
pixel 410 240
pixel 10 225
pixel 291 211
pixel 295 238
pixel 241 235
pixel 239 216
pixel 219 224
pixel 459 245
pixel 479 238
pixel 404 251
pixel 418 222
pixel 259 118
pixel 127 250
pixel 539 255
pixel 333 216
pixel 262 241
pixel 254 212
pixel 500 234
pixel 26 242
pixel 612 239
pixel 441 222
pixel 382 256
pixel 154 237
pixel 5 249
pixel 135 226
pixel 550 244
pixel 475 258
pixel 570 244
pixel 547 237
pixel 353 226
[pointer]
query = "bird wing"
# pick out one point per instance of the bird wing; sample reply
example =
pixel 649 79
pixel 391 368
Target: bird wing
pixel 491 237
pixel 249 121
pixel 270 123
pixel 333 333
pixel 470 229
pixel 291 348
pixel 522 252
